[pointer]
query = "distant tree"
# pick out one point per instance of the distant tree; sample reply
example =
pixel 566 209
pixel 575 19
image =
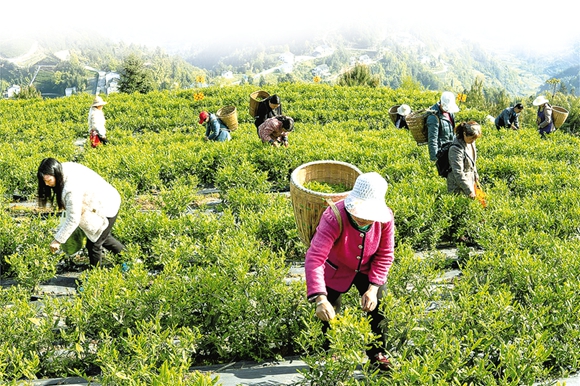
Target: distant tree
pixel 28 92
pixel 359 75
pixel 286 78
pixel 135 77
pixel 262 81
pixel 408 83
pixel 71 73
pixel 554 83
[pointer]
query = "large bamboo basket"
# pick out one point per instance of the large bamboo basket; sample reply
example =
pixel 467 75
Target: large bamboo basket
pixel 308 205
pixel 229 116
pixel 255 98
pixel 393 113
pixel 417 127
pixel 559 115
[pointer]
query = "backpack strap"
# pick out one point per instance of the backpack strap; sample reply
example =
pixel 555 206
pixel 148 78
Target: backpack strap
pixel 336 213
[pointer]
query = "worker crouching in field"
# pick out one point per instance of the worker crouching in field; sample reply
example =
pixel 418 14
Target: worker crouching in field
pixel 359 253
pixel 215 128
pixel 90 202
pixel 275 130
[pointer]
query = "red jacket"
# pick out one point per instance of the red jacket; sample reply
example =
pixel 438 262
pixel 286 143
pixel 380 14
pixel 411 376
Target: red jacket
pixel 334 259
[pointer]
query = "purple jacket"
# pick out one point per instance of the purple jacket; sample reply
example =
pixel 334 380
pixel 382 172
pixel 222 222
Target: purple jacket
pixel 333 260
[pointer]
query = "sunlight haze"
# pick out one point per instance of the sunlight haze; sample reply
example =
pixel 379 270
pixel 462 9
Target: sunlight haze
pixel 534 24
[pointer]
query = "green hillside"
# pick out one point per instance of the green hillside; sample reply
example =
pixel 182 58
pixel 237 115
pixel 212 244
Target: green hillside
pixel 207 283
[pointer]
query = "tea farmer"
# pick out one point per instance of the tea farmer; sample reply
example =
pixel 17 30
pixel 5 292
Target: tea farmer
pixel 215 128
pixel 509 117
pixel 360 254
pixel 275 130
pixel 400 120
pixel 267 108
pixel 462 159
pixel 97 131
pixel 544 119
pixel 440 123
pixel 90 202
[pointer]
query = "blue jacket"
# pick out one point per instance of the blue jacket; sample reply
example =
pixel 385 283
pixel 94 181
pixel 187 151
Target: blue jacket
pixel 439 130
pixel 216 130
pixel 507 117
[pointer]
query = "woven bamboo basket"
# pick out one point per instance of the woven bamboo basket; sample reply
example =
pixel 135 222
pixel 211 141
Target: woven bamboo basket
pixel 417 127
pixel 308 204
pixel 255 98
pixel 229 116
pixel 393 113
pixel 559 115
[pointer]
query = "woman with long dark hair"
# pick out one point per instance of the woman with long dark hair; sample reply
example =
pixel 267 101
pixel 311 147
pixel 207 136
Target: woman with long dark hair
pixel 90 202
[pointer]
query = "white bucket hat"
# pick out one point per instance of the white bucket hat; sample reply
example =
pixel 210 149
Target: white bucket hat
pixel 367 198
pixel 540 101
pixel 448 102
pixel 98 102
pixel 404 110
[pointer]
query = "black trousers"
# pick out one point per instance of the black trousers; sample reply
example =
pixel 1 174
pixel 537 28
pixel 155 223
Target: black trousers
pixel 361 282
pixel 106 241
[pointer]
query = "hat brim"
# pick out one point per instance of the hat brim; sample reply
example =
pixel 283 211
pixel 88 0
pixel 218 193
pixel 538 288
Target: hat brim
pixel 539 101
pixel 451 108
pixel 371 210
pixel 98 104
pixel 403 112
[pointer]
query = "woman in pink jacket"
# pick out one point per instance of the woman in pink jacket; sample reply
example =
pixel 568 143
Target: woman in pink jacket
pixel 359 254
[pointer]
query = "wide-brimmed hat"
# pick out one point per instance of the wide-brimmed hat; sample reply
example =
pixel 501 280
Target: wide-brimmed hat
pixel 404 110
pixel 540 101
pixel 98 102
pixel 367 198
pixel 203 116
pixel 448 102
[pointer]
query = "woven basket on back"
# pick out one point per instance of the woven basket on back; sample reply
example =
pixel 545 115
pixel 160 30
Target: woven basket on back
pixel 255 98
pixel 417 127
pixel 229 116
pixel 308 204
pixel 559 115
pixel 393 113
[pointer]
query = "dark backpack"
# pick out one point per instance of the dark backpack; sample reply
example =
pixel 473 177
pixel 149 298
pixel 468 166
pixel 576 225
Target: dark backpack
pixel 442 163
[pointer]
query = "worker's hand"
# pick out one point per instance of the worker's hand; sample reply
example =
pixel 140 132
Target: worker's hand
pixel 369 299
pixel 472 195
pixel 54 246
pixel 285 143
pixel 324 310
pixel 276 144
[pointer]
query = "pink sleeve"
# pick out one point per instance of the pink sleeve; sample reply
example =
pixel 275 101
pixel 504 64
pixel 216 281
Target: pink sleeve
pixel 385 254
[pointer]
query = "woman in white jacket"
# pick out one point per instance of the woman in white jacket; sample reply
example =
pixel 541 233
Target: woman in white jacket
pixel 97 120
pixel 91 203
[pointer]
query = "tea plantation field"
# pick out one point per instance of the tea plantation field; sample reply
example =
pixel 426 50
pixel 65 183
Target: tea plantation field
pixel 207 284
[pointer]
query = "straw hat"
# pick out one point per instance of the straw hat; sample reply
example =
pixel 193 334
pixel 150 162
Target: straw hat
pixel 540 101
pixel 404 110
pixel 448 102
pixel 98 102
pixel 367 198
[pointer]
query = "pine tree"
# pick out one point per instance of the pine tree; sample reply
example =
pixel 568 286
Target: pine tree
pixel 135 77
